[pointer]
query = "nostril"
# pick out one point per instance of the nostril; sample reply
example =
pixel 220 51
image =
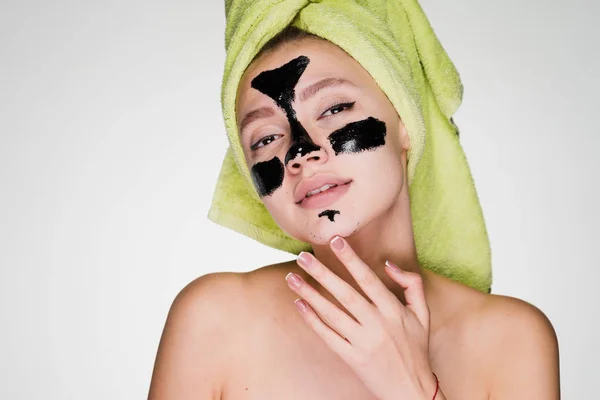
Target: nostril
pixel 295 165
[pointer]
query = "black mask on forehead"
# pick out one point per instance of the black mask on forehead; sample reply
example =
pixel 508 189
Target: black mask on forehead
pixel 279 84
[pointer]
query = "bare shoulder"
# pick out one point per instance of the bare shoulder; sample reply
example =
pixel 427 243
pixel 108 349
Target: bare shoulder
pixel 515 322
pixel 197 338
pixel 203 330
pixel 509 343
pixel 215 297
pixel 521 343
pixel 496 319
pixel 505 312
pixel 223 286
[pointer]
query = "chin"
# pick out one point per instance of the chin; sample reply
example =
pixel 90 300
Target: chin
pixel 323 230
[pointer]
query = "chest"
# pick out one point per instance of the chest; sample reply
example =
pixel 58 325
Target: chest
pixel 293 372
pixel 295 364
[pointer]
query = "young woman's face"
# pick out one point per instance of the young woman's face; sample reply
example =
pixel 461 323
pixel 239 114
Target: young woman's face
pixel 324 145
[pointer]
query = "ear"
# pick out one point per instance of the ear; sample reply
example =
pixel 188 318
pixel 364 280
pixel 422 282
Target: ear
pixel 404 138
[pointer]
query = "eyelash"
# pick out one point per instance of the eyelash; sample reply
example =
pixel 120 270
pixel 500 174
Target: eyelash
pixel 347 106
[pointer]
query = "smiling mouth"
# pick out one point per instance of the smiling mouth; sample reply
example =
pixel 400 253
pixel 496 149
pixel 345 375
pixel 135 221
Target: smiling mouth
pixel 321 189
pixel 323 196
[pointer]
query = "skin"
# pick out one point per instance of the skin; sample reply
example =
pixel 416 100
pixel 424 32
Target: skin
pixel 240 336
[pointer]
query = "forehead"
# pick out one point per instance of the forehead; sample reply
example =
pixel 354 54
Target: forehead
pixel 326 60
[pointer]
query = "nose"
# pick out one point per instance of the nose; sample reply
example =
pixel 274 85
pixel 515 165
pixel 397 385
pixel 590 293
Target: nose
pixel 302 153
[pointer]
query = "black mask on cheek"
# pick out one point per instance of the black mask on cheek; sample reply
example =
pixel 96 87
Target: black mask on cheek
pixel 367 134
pixel 267 176
pixel 279 85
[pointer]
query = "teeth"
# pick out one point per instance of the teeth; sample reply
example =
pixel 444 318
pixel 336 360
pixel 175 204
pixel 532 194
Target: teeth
pixel 321 189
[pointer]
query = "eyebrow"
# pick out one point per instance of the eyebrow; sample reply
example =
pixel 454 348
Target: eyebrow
pixel 263 112
pixel 313 89
pixel 307 93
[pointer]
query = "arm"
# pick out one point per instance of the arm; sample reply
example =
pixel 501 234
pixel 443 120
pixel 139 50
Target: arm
pixel 190 363
pixel 526 361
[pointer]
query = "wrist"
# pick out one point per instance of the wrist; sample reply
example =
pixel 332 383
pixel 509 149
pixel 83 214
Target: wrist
pixel 429 387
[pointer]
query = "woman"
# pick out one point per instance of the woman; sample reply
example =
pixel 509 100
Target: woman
pixel 328 155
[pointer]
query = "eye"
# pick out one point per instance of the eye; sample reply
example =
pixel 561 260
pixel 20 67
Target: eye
pixel 264 141
pixel 338 108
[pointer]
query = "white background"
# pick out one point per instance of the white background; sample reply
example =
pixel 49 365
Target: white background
pixel 111 139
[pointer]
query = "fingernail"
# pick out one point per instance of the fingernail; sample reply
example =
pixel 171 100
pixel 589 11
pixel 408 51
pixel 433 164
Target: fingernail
pixel 337 243
pixel 392 266
pixel 300 304
pixel 304 259
pixel 293 279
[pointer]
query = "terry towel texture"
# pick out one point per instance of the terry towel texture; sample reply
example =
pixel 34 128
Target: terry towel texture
pixel 394 42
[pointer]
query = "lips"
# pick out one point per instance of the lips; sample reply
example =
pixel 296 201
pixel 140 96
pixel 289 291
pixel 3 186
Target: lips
pixel 315 182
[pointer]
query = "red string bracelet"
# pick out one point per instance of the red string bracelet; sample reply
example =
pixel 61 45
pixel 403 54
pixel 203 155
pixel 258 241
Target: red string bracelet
pixel 437 386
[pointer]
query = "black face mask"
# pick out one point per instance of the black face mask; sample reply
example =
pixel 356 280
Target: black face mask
pixel 279 84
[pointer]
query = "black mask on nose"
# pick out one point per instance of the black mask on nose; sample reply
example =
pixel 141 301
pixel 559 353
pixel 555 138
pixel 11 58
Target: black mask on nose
pixel 279 84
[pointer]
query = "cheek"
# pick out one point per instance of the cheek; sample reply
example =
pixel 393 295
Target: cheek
pixel 374 168
pixel 267 176
pixel 378 175
pixel 284 212
pixel 359 136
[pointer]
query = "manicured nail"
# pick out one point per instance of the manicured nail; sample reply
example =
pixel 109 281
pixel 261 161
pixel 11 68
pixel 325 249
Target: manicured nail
pixel 304 259
pixel 337 243
pixel 293 279
pixel 392 266
pixel 300 304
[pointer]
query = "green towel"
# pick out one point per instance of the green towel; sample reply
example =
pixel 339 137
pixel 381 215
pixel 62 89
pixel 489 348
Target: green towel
pixel 394 42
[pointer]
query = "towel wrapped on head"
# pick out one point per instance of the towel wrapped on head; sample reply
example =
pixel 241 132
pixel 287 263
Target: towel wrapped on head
pixel 395 44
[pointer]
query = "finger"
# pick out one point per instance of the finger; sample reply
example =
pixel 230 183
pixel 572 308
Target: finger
pixel 336 342
pixel 366 278
pixel 414 293
pixel 348 297
pixel 331 314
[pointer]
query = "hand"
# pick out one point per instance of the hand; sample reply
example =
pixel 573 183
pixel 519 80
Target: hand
pixel 387 343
